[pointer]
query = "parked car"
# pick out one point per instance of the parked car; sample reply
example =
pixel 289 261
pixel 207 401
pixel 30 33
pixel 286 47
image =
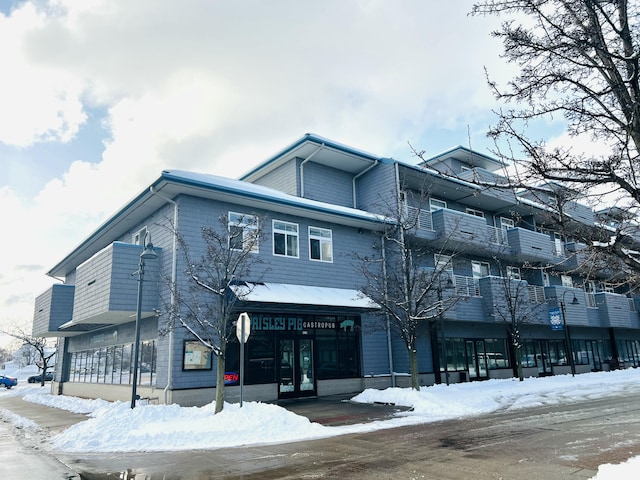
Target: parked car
pixel 38 378
pixel 8 382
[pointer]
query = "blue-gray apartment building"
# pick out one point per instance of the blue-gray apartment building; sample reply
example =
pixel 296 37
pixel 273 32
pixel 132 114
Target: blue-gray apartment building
pixel 313 333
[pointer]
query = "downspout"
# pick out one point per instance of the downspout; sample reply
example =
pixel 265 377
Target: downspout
pixel 389 348
pixel 353 181
pixel 174 268
pixel 302 169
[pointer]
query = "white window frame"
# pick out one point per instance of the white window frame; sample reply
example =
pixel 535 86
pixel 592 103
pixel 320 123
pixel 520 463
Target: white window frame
pixel 513 273
pixel 546 280
pixel 507 223
pixel 291 237
pixel 477 266
pixel 138 237
pixel 249 225
pixel 437 204
pixel 474 212
pixel 567 281
pixel 608 287
pixel 324 237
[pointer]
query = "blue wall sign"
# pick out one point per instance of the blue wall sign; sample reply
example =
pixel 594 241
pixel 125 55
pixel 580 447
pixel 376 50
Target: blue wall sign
pixel 555 319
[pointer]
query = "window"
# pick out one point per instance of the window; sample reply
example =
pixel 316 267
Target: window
pixel 243 232
pixel 139 236
pixel 513 273
pixel 320 244
pixel 444 267
pixel 475 213
pixel 566 281
pixel 436 204
pixel 608 287
pixel 507 223
pixel 480 269
pixel 285 239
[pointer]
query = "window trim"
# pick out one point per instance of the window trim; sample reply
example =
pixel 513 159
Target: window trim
pixel 474 212
pixel 480 263
pixel 322 240
pixel 247 226
pixel 287 234
pixel 432 200
pixel 138 237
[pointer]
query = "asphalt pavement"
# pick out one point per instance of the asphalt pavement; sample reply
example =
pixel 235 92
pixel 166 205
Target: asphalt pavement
pixel 19 458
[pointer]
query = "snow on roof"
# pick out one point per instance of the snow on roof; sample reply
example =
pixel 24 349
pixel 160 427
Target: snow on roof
pixel 303 295
pixel 251 190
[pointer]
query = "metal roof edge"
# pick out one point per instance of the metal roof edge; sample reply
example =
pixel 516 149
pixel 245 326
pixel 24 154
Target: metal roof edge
pixel 311 137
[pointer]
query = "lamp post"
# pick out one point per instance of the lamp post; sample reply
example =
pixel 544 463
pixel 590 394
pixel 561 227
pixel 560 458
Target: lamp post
pixel 567 336
pixel 147 254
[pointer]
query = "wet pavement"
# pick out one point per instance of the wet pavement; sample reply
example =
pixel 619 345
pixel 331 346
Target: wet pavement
pixel 20 458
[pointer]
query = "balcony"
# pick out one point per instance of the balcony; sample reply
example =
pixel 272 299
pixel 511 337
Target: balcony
pixel 53 308
pixel 530 246
pixel 106 290
pixel 466 230
pixel 576 315
pixel 615 310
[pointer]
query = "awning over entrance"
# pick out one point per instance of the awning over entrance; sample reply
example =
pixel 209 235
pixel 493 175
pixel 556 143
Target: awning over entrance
pixel 303 295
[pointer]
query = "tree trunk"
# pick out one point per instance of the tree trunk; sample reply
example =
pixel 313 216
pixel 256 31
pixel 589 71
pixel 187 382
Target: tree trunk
pixel 220 382
pixel 413 364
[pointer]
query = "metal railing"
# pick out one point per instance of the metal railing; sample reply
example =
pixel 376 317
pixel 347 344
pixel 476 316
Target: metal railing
pixel 423 216
pixel 536 294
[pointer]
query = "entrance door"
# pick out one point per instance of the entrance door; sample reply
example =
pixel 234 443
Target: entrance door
pixel 476 360
pixel 543 360
pixel 296 370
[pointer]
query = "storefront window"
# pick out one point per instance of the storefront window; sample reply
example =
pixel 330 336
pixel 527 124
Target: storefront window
pixel 113 364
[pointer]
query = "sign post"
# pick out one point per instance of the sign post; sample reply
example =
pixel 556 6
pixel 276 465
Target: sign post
pixel 243 328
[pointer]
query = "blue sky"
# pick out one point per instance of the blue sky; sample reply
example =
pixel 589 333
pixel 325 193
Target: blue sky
pixel 97 97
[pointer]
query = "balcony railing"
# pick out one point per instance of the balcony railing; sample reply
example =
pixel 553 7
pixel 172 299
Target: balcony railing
pixel 536 294
pixel 424 217
pixel 467 286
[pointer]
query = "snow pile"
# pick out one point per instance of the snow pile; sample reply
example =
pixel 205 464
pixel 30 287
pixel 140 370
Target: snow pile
pixel 115 427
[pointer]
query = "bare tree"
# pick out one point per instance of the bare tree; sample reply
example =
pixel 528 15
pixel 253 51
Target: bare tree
pixel 578 59
pixel 404 278
pixel 38 350
pixel 206 307
pixel 513 306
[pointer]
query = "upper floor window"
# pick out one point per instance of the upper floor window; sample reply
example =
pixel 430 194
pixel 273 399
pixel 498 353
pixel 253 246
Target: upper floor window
pixel 475 213
pixel 513 273
pixel 437 204
pixel 320 244
pixel 243 232
pixel 285 238
pixel 480 269
pixel 566 281
pixel 139 236
pixel 507 223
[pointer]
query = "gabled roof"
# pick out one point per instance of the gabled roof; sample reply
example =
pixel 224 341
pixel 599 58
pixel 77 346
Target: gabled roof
pixel 173 183
pixel 320 150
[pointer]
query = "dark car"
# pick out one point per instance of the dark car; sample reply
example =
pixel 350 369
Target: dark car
pixel 8 382
pixel 38 378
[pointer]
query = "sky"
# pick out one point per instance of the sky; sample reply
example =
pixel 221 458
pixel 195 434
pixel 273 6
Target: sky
pixel 115 427
pixel 98 97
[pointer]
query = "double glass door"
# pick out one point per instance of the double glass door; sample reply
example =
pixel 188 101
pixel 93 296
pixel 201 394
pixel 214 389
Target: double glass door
pixel 296 375
pixel 476 360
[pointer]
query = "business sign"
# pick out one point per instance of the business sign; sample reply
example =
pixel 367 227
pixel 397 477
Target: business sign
pixel 555 318
pixel 231 378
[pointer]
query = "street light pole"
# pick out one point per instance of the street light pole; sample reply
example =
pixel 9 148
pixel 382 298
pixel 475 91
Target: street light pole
pixel 567 336
pixel 147 254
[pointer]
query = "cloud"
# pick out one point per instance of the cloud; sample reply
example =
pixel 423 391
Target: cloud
pixel 218 87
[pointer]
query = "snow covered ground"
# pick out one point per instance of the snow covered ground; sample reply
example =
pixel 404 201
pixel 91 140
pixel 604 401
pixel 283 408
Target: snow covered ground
pixel 114 426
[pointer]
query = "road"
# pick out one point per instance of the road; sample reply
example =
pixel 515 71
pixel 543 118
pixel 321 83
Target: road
pixel 559 442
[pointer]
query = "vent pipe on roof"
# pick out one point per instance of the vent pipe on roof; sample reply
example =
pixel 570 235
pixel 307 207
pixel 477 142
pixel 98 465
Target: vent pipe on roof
pixel 302 169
